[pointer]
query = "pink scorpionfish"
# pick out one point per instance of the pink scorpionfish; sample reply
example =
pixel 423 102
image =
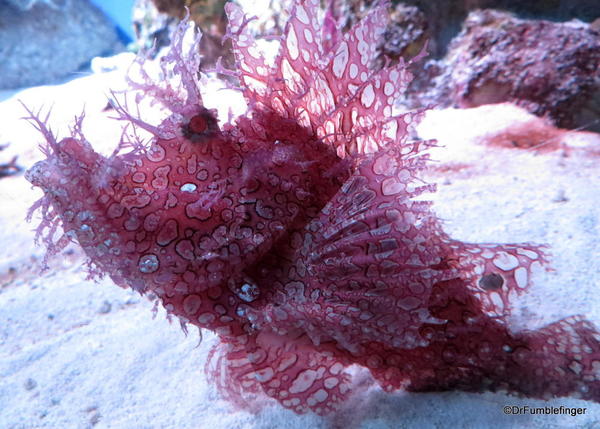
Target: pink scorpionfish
pixel 293 232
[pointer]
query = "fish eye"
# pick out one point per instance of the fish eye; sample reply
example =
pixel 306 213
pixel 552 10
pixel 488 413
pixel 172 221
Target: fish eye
pixel 201 126
pixel 197 124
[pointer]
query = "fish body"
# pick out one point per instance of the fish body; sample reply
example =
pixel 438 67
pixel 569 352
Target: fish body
pixel 293 233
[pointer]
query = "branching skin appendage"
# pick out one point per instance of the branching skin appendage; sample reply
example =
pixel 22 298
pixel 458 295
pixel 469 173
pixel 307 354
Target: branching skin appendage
pixel 293 233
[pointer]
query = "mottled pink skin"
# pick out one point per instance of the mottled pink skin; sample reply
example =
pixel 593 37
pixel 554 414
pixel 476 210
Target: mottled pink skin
pixel 293 234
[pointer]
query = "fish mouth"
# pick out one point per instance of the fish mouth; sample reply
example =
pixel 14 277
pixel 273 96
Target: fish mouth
pixel 50 179
pixel 39 175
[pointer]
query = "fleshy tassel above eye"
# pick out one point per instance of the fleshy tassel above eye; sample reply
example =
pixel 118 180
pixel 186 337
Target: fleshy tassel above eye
pixel 172 85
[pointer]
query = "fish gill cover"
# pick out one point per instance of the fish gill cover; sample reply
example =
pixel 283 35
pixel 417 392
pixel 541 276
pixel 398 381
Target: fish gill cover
pixel 294 234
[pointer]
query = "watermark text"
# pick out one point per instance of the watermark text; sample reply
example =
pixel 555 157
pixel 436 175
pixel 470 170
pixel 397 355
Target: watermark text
pixel 526 409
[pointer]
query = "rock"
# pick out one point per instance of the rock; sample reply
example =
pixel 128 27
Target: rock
pixel 407 32
pixel 446 17
pixel 550 69
pixel 42 42
pixel 443 19
pixel 542 56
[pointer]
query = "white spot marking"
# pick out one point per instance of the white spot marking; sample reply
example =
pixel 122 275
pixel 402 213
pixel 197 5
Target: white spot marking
pixel 291 76
pixel 528 253
pixel 205 318
pixel 148 263
pixel 191 304
pixel 308 35
pixel 506 262
pixel 304 381
pixel 188 187
pixel 330 382
pixel 301 15
pixel 390 129
pixel 368 96
pixel 487 254
pixel 521 277
pixel 291 42
pixel 392 186
pixel 497 301
pixel 320 395
pixel 388 88
pixel 336 368
pixel 264 375
pixel 341 60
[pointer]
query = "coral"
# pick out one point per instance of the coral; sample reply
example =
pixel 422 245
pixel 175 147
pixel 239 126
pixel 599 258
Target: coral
pixel 294 232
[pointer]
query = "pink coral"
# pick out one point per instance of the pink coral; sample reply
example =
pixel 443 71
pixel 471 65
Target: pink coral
pixel 293 232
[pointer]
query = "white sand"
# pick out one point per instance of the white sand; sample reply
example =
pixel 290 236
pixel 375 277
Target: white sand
pixel 76 354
